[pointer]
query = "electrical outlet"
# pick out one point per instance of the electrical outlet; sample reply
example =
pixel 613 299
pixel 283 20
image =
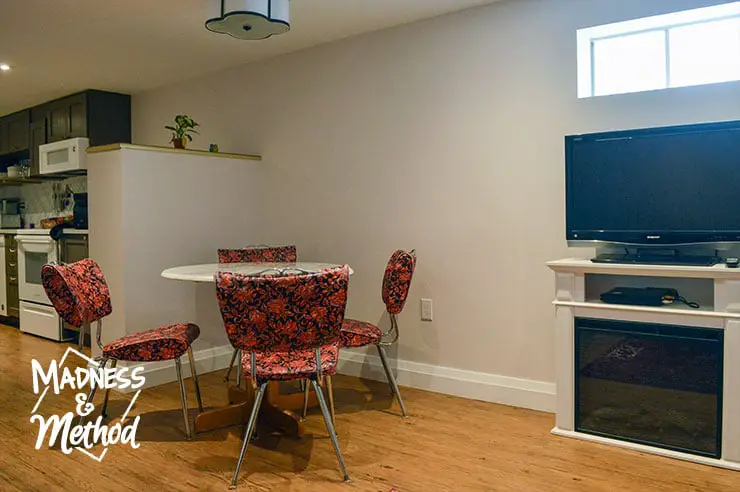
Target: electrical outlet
pixel 426 310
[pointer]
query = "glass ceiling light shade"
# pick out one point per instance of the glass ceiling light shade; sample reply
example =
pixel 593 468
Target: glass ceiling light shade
pixel 252 19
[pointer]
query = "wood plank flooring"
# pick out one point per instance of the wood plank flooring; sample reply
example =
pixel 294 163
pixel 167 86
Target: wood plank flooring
pixel 448 444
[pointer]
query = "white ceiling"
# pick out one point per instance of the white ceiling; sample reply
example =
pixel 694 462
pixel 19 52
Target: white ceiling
pixel 57 47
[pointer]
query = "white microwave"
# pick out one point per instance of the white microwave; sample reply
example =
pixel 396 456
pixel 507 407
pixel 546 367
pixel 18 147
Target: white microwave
pixel 64 156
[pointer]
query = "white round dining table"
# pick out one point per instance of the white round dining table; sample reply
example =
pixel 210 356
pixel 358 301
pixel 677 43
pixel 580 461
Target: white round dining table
pixel 206 272
pixel 275 405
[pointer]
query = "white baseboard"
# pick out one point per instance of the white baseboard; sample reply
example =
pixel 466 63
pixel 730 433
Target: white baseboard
pixel 668 453
pixel 207 360
pixel 525 393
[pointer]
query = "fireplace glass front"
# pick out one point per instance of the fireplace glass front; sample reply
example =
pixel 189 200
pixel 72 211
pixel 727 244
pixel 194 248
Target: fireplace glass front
pixel 653 384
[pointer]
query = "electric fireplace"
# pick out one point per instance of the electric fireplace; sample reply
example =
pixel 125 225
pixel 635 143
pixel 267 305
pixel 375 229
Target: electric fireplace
pixel 653 384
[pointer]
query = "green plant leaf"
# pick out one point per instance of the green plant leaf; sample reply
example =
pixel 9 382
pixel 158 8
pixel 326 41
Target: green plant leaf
pixel 184 125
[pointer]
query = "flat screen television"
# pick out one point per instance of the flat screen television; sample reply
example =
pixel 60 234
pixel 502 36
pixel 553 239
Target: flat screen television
pixel 663 186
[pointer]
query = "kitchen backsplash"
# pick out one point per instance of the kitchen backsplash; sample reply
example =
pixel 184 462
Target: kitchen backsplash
pixel 40 198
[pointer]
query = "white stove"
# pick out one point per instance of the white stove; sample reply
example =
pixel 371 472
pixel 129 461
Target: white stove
pixel 36 248
pixel 38 317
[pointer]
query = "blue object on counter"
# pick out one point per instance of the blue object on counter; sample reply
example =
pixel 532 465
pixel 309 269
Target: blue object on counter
pixel 57 232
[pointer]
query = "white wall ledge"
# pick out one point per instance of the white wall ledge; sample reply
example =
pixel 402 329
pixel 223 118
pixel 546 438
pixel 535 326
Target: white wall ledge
pixel 171 150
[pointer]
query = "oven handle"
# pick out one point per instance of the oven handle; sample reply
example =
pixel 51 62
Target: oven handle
pixel 35 240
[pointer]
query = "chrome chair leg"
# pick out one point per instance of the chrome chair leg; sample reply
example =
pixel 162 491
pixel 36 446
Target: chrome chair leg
pixel 239 369
pixel 183 397
pixel 248 435
pixel 330 428
pixel 81 337
pixel 194 375
pixel 93 388
pixel 330 390
pixel 305 401
pixel 391 379
pixel 231 365
pixel 104 410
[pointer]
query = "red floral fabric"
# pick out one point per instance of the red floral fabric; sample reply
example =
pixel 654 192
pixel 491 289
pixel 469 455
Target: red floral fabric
pixel 397 280
pixel 78 291
pixel 269 254
pixel 289 313
pixel 80 295
pixel 164 343
pixel 359 333
pixel 396 284
pixel 285 366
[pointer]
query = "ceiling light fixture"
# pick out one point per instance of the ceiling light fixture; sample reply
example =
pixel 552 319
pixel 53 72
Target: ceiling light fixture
pixel 251 19
pixel 4 67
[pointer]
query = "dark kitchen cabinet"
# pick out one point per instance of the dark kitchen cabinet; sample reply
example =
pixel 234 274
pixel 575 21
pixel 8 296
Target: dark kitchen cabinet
pixel 3 137
pixel 103 117
pixel 74 248
pixel 59 117
pixel 14 132
pixel 66 118
pixel 37 137
pixel 11 276
pixel 18 131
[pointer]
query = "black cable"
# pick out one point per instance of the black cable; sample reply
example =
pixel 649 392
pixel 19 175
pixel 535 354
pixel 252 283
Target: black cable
pixel 690 304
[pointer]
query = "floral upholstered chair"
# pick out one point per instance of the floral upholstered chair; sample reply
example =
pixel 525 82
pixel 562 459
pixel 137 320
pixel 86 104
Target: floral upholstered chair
pixel 80 295
pixel 396 284
pixel 255 254
pixel 287 323
pixel 259 254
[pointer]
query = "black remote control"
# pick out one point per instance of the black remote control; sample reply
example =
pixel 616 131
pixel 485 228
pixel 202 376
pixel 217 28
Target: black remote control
pixel 732 262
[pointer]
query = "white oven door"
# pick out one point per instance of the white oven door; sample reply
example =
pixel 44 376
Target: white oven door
pixel 33 253
pixel 40 320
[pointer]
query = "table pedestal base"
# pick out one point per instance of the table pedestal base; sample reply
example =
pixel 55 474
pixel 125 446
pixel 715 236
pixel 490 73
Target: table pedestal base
pixel 274 412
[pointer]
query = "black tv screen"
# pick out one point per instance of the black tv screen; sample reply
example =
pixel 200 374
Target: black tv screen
pixel 672 185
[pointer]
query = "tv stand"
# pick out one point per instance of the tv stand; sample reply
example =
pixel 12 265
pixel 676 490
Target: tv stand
pixel 657 257
pixel 578 285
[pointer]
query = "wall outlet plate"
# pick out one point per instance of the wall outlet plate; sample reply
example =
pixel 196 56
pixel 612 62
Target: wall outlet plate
pixel 426 310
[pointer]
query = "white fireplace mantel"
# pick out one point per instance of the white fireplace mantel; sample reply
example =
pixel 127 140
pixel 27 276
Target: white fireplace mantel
pixel 577 285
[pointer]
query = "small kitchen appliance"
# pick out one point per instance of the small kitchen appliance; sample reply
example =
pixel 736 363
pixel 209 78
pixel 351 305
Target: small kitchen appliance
pixel 10 214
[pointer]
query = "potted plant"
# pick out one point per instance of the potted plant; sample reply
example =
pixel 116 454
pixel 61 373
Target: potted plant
pixel 181 132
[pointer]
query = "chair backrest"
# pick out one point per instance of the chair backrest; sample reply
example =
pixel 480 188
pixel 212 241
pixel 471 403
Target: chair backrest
pixel 259 254
pixel 397 280
pixel 282 313
pixel 78 291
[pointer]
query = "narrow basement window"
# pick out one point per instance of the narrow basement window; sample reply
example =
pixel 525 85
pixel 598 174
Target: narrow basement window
pixel 692 47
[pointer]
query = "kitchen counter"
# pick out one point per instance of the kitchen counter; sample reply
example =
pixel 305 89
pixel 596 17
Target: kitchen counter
pixel 41 232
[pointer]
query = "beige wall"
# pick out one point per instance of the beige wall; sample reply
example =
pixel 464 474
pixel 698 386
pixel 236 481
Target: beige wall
pixel 107 236
pixel 154 210
pixel 445 136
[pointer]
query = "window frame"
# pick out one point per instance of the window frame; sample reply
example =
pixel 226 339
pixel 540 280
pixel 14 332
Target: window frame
pixel 588 37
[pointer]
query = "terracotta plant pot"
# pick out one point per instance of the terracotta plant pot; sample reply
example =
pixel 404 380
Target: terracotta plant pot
pixel 179 143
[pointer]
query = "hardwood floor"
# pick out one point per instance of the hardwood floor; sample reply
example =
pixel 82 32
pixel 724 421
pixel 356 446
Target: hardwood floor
pixel 447 444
